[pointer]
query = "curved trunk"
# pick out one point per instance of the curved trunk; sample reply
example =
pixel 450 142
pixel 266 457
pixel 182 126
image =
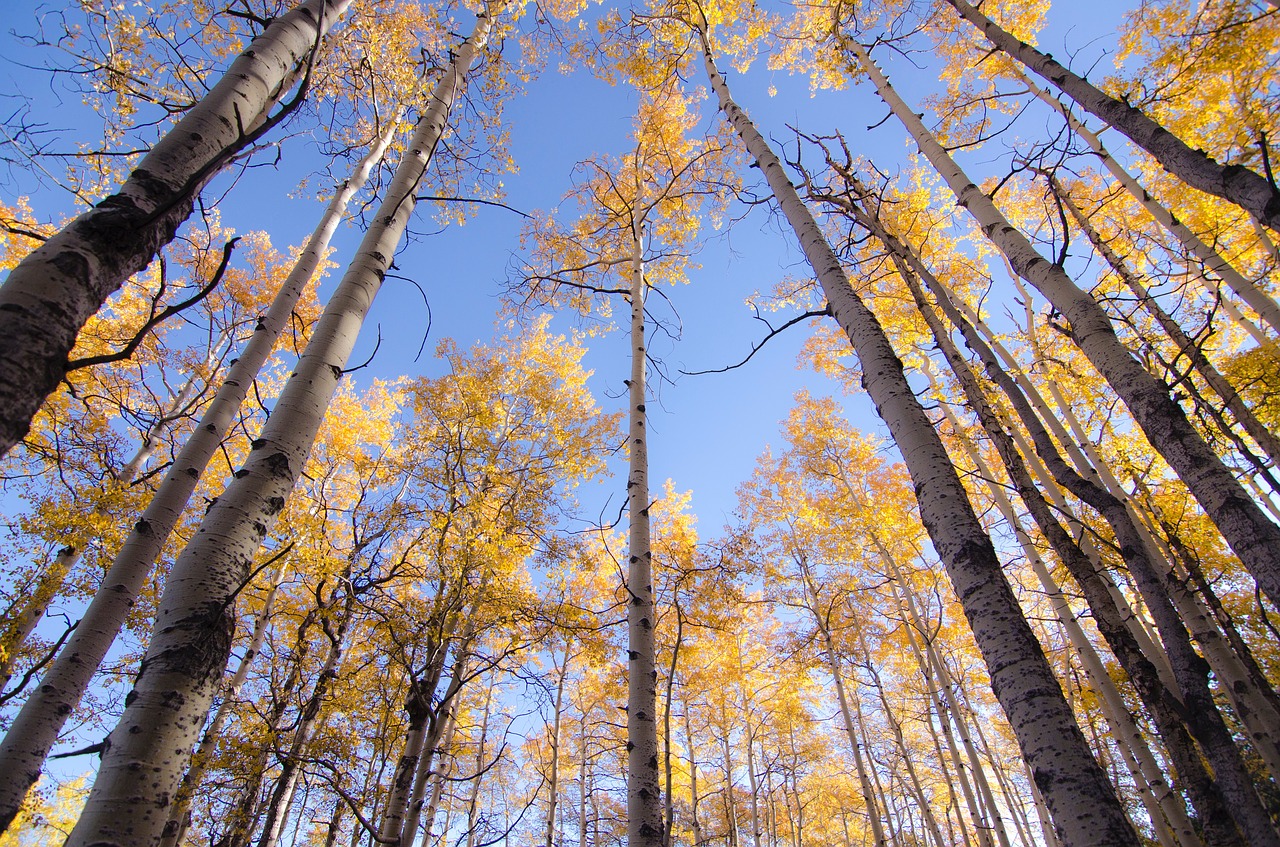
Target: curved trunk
pixel 1084 804
pixel 36 727
pixel 190 645
pixel 49 296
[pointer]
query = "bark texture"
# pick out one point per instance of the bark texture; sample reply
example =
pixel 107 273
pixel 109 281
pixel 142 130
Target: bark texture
pixel 36 727
pixel 50 295
pixel 151 745
pixel 1251 535
pixel 1082 801
pixel 1236 183
pixel 644 792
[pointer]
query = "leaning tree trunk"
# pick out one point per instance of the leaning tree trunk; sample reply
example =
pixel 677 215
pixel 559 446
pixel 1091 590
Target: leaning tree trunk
pixel 36 727
pixel 1235 183
pixel 1245 289
pixel 50 295
pixel 1083 802
pixel 1253 537
pixel 1186 345
pixel 151 745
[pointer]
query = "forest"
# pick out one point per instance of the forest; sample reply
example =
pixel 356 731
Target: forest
pixel 810 424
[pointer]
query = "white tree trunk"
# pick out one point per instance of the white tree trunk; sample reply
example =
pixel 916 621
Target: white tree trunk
pixel 1083 801
pixel 1253 537
pixel 1235 183
pixel 50 295
pixel 1246 290
pixel 151 745
pixel 644 792
pixel 176 826
pixel 35 729
pixel 842 697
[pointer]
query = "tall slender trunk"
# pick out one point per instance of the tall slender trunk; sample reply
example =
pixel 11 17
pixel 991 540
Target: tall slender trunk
pixel 644 793
pixel 1165 707
pixel 1245 289
pixel 1254 538
pixel 917 788
pixel 1186 345
pixel 553 783
pixel 36 727
pixel 1235 183
pixel 1157 797
pixel 473 803
pixel 909 267
pixel 440 720
pixel 1084 803
pixel 695 823
pixel 668 737
pixel 308 721
pixel 439 779
pixel 49 296
pixel 189 648
pixel 30 609
pixel 842 698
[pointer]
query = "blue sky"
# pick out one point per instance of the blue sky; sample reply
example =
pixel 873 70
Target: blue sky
pixel 707 430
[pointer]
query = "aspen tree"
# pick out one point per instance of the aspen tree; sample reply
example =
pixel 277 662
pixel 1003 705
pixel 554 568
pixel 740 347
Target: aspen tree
pixel 1235 183
pixel 1248 291
pixel 1186 346
pixel 1084 805
pixel 50 294
pixel 650 205
pixel 1165 707
pixel 1254 538
pixel 35 729
pixel 188 651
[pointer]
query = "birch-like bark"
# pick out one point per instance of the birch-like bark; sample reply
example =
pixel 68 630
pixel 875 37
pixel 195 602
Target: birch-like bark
pixel 1253 537
pixel 1166 708
pixel 1084 804
pixel 644 793
pixel 694 821
pixel 308 721
pixel 842 697
pixel 917 787
pixel 49 296
pixel 1235 183
pixel 1186 345
pixel 901 592
pixel 553 782
pixel 22 622
pixel 473 803
pixel 439 778
pixel 1245 289
pixel 36 727
pixel 439 723
pixel 150 747
pixel 1164 809
pixel 180 815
